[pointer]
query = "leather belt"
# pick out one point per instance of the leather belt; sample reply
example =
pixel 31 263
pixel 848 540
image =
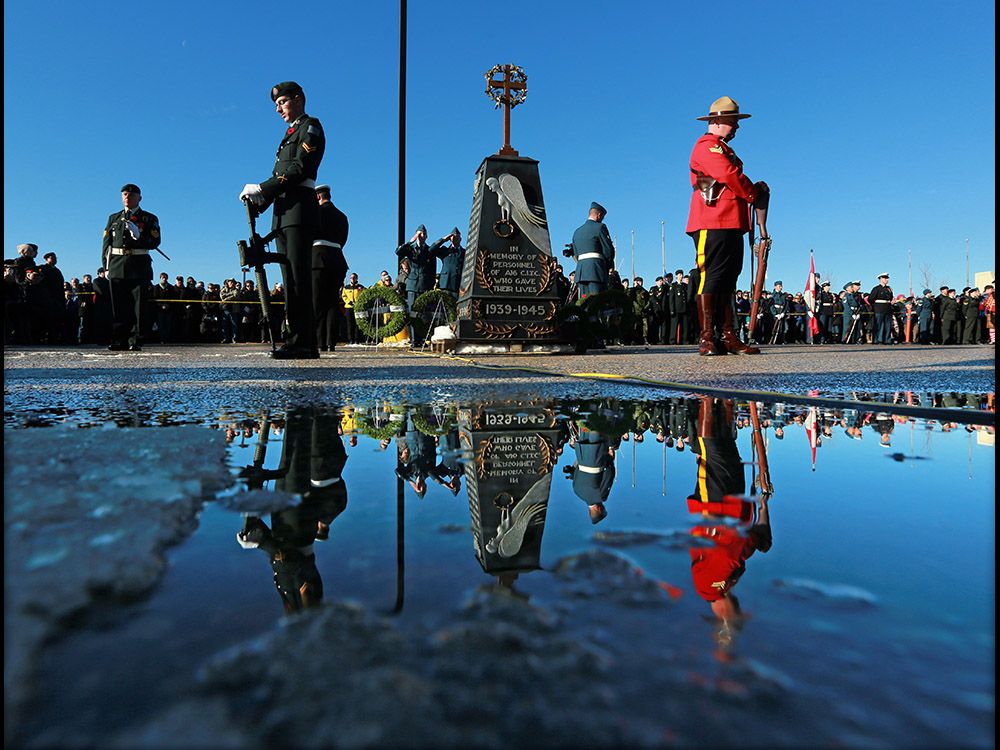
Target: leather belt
pixel 588 256
pixel 326 243
pixel 130 251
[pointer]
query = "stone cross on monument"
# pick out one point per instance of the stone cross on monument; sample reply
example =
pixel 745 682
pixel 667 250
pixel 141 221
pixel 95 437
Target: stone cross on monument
pixel 509 90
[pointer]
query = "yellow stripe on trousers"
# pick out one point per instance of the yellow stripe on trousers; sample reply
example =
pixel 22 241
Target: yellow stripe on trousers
pixel 702 470
pixel 702 236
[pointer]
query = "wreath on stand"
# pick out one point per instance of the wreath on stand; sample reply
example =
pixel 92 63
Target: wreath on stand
pixel 434 424
pixel 374 302
pixel 431 300
pixel 383 430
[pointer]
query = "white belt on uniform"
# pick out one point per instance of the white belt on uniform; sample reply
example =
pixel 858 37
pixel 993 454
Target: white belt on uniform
pixel 324 482
pixel 130 251
pixel 590 469
pixel 326 243
pixel 588 256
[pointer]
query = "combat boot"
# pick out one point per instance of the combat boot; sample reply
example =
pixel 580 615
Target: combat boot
pixel 707 347
pixel 730 341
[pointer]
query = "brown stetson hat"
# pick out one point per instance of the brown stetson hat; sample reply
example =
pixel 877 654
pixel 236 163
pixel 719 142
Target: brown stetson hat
pixel 724 107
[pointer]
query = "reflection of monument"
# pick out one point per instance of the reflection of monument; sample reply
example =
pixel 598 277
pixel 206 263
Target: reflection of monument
pixel 507 297
pixel 514 447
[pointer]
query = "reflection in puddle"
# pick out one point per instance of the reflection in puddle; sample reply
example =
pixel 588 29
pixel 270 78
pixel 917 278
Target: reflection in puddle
pixel 641 529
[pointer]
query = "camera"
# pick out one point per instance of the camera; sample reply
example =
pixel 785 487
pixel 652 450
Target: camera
pixel 568 250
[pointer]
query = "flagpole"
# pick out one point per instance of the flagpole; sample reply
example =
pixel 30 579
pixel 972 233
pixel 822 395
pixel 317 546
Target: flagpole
pixel 663 249
pixel 633 256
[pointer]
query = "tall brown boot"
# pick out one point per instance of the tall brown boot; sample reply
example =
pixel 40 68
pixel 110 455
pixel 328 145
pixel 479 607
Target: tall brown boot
pixel 730 341
pixel 706 317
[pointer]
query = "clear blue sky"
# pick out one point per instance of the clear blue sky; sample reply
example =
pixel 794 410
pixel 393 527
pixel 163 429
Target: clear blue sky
pixel 872 122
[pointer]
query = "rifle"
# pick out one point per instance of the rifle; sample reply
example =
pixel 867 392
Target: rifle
pixel 761 249
pixel 253 253
pixel 764 476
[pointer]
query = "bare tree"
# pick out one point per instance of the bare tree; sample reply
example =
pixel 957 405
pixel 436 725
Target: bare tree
pixel 926 275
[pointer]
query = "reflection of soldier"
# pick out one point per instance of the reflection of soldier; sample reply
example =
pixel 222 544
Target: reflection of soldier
pixel 448 471
pixel 593 473
pixel 416 454
pixel 312 465
pixel 717 566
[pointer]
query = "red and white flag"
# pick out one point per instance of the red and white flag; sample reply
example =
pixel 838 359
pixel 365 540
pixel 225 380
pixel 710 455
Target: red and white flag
pixel 811 433
pixel 810 296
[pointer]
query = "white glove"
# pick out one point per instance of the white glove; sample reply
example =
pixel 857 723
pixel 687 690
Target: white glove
pixel 855 317
pixel 252 193
pixel 133 229
pixel 246 543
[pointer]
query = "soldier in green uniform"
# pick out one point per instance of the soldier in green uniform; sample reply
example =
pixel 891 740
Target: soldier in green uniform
pixel 129 237
pixel 779 311
pixel 852 312
pixel 642 308
pixel 296 214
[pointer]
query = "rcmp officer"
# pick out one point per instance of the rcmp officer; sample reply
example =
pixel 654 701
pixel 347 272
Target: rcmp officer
pixel 880 299
pixel 825 308
pixel 718 218
pixel 779 311
pixel 129 237
pixel 296 214
pixel 452 261
pixel 329 268
pixel 852 312
pixel 594 252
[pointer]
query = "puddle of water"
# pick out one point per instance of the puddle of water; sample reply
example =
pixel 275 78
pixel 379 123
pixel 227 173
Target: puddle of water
pixel 841 559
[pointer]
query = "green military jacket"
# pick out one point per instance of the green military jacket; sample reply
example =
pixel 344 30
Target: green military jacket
pixel 117 235
pixel 297 161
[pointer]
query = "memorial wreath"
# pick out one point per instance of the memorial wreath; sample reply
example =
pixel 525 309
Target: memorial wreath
pixel 375 301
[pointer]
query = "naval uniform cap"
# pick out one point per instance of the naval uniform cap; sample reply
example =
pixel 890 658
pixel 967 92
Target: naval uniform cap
pixel 883 276
pixel 825 283
pixel 322 188
pixel 286 88
pixel 28 246
pixel 857 282
pixel 131 187
pixel 595 206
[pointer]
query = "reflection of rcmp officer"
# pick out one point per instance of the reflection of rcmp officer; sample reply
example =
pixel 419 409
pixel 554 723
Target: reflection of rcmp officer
pixel 594 252
pixel 852 312
pixel 296 214
pixel 826 308
pixel 329 267
pixel 594 471
pixel 452 260
pixel 718 218
pixel 881 301
pixel 129 237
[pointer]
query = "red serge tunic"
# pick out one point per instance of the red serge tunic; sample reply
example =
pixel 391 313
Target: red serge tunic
pixel 712 157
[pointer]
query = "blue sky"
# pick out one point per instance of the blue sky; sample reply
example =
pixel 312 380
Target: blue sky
pixel 872 122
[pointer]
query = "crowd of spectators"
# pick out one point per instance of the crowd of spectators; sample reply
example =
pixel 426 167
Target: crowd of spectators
pixel 42 307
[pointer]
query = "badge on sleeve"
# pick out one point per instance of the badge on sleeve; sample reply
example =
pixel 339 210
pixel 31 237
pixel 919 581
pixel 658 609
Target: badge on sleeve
pixel 717 149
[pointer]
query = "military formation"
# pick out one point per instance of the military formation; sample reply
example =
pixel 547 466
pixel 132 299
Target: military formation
pixel 121 307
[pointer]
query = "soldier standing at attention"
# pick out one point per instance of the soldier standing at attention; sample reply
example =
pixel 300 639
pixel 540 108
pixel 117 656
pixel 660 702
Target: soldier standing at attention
pixel 129 237
pixel 852 312
pixel 452 261
pixel 296 214
pixel 594 252
pixel 718 218
pixel 329 268
pixel 779 311
pixel 881 301
pixel 826 307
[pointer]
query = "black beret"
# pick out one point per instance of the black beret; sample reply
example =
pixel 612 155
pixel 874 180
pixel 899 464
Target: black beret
pixel 286 88
pixel 595 206
pixel 131 187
